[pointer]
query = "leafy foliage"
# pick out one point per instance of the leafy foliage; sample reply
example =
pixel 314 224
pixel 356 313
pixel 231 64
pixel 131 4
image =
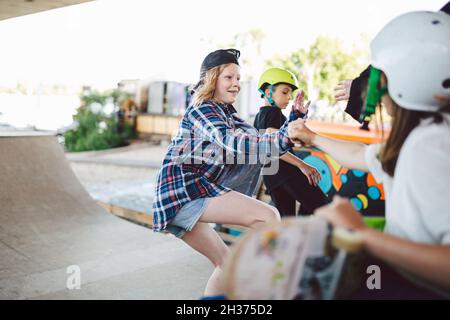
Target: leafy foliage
pixel 321 66
pixel 97 130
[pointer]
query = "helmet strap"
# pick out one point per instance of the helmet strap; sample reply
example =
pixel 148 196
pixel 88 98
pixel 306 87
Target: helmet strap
pixel 373 98
pixel 269 97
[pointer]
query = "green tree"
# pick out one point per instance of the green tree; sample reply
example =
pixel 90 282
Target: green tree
pixel 322 66
pixel 97 130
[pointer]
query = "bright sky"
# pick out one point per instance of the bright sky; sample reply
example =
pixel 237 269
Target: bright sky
pixel 105 41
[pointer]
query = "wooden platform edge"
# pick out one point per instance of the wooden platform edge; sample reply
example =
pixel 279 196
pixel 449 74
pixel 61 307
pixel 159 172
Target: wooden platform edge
pixel 146 220
pixel 128 214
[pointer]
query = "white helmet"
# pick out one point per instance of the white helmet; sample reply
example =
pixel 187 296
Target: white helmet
pixel 413 50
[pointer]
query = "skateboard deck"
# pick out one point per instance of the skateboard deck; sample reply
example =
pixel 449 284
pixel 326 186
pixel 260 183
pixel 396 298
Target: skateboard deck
pixel 299 258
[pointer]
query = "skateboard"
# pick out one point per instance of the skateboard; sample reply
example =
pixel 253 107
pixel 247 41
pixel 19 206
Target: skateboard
pixel 300 258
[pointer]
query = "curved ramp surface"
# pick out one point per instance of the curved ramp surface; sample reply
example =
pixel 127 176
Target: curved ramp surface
pixel 48 222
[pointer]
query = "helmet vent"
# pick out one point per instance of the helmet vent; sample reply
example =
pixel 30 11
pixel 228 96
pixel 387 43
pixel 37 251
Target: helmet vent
pixel 435 22
pixel 446 83
pixel 400 95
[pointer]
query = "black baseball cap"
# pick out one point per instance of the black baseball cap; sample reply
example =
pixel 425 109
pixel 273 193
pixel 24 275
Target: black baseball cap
pixel 217 58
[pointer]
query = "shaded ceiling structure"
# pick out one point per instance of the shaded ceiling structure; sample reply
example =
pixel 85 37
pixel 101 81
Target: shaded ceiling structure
pixel 16 8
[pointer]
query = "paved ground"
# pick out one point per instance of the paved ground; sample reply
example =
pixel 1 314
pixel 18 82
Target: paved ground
pixel 48 222
pixel 124 177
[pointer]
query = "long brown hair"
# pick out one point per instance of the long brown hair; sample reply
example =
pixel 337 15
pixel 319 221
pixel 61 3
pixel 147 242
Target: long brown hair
pixel 403 122
pixel 206 91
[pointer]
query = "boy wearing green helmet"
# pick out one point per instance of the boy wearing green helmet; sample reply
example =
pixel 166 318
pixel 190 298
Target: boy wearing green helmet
pixel 294 180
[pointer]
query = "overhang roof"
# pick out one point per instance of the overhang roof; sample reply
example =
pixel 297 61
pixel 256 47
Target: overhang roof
pixel 16 8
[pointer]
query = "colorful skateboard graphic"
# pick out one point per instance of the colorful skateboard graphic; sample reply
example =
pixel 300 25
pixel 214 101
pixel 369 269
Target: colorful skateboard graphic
pixel 300 258
pixel 360 187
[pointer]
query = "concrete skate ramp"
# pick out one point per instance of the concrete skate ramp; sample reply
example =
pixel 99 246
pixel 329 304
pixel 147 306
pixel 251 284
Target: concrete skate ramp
pixel 48 222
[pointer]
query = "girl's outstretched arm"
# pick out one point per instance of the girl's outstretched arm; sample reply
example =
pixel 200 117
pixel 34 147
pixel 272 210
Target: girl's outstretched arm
pixel 347 153
pixel 210 126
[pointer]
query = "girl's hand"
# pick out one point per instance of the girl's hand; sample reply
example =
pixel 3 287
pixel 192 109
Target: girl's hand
pixel 299 133
pixel 342 90
pixel 299 103
pixel 311 173
pixel 341 213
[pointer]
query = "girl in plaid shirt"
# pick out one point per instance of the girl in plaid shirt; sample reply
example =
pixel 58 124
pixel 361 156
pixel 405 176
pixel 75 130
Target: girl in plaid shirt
pixel 212 165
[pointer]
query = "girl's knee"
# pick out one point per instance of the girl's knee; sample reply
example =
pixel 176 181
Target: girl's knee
pixel 274 215
pixel 268 214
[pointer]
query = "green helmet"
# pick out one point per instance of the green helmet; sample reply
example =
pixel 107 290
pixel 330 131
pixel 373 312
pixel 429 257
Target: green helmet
pixel 274 76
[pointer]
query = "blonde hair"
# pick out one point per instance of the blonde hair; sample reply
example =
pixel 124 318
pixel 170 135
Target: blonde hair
pixel 207 89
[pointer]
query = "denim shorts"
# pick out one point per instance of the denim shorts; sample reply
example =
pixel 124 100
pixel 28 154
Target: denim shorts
pixel 187 217
pixel 240 178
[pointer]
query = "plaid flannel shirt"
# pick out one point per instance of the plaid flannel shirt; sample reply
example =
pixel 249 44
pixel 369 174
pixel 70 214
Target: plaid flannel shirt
pixel 210 136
